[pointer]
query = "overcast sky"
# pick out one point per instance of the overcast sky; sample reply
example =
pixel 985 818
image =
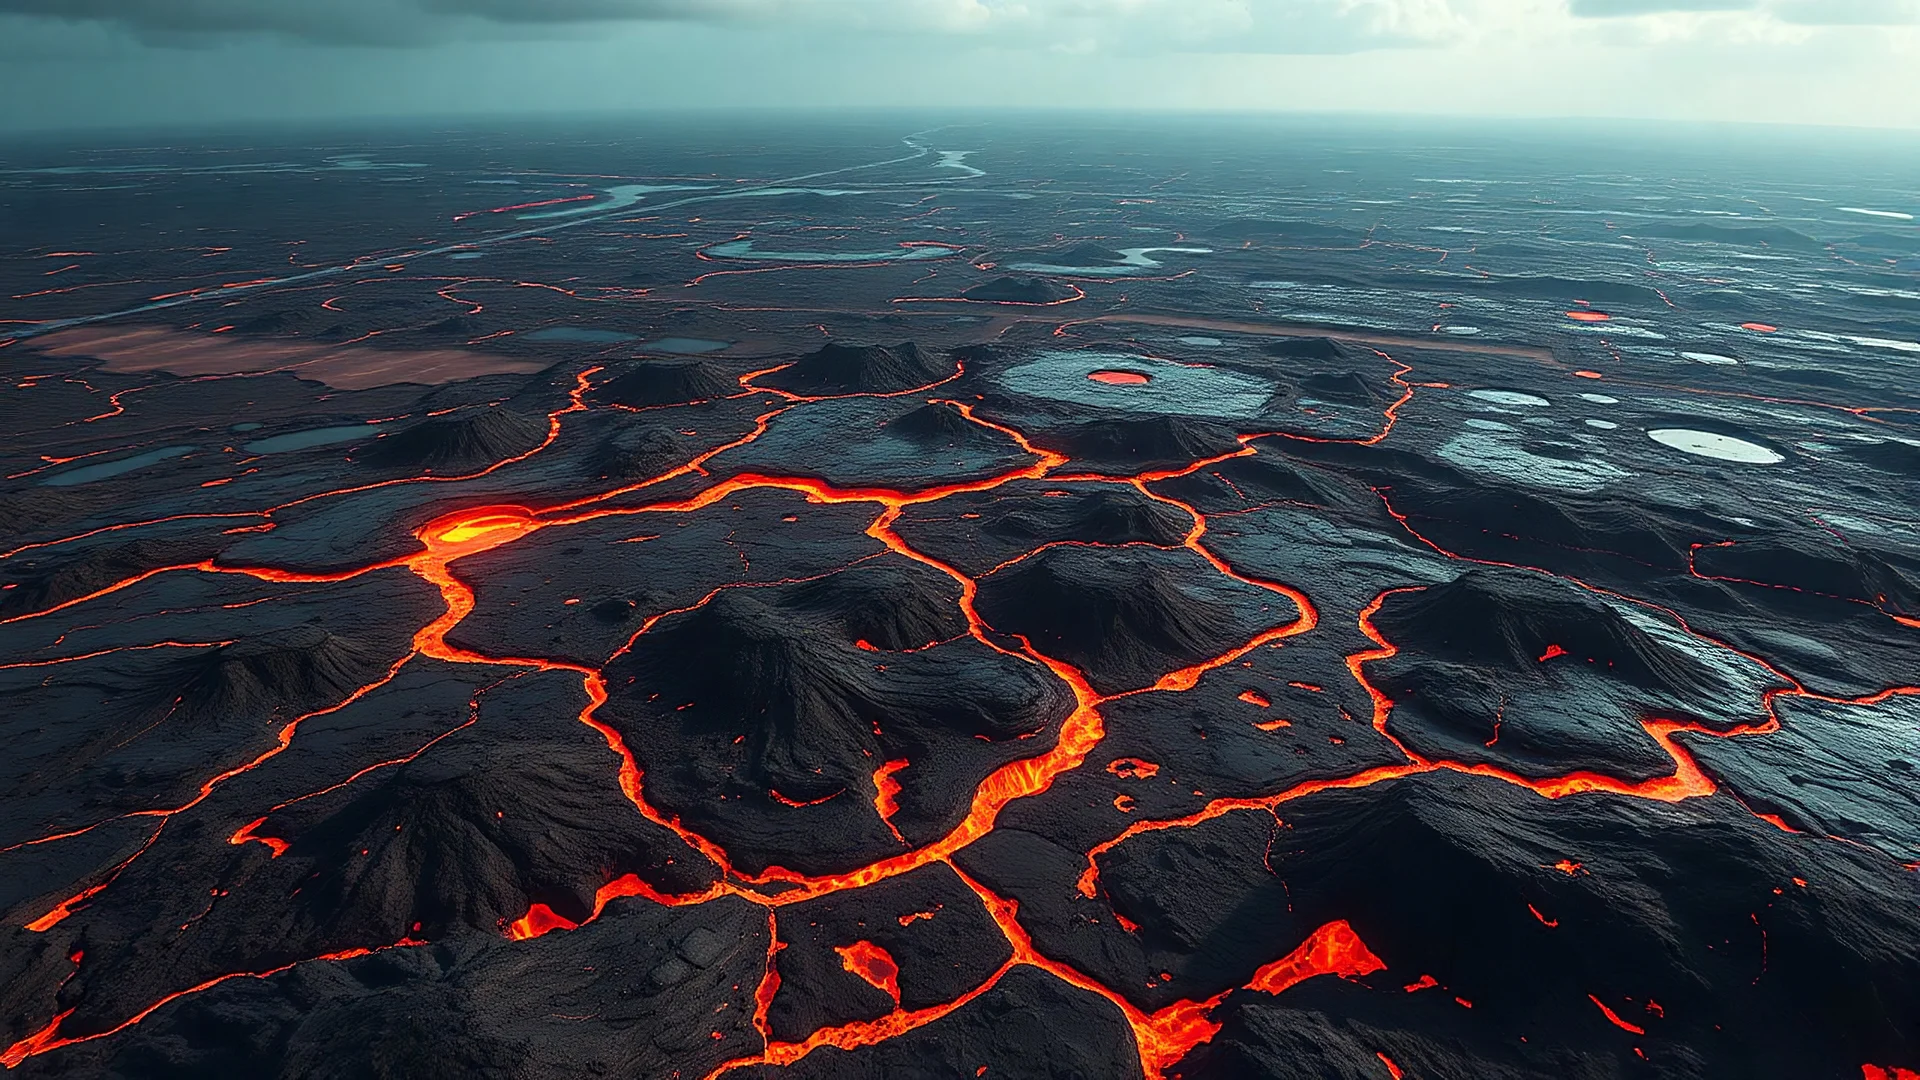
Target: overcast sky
pixel 72 63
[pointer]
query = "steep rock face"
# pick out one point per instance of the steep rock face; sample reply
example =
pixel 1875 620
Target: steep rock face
pixel 933 423
pixel 777 718
pixel 1347 386
pixel 465 440
pixel 861 369
pixel 1126 619
pixel 634 451
pixel 1140 443
pixel 1504 620
pixel 647 383
pixel 978 533
pixel 57 578
pixel 279 674
pixel 1825 569
pixel 1532 673
pixel 1013 290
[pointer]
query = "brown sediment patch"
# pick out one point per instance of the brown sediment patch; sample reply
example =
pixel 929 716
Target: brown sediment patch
pixel 180 352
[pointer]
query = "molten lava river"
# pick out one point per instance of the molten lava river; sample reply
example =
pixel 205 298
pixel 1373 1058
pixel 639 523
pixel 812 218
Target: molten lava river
pixel 849 713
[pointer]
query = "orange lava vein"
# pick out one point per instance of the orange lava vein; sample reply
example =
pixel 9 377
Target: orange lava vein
pixel 48 1038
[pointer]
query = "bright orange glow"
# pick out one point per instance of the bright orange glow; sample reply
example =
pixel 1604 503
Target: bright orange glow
pixel 1163 1037
pixel 886 794
pixel 1392 1069
pixel 873 964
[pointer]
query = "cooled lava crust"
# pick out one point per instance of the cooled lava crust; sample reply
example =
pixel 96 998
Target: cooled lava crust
pixel 757 700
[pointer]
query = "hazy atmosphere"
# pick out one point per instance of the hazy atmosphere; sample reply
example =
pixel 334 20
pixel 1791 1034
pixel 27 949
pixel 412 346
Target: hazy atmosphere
pixel 172 62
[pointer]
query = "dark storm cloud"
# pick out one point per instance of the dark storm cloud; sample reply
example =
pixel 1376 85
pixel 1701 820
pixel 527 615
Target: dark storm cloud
pixel 373 22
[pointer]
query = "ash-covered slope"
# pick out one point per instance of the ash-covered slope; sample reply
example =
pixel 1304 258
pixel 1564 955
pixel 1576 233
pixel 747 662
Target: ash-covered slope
pixel 1530 672
pixel 1014 290
pixel 764 717
pixel 39 583
pixel 648 383
pixel 979 532
pixel 280 674
pixel 860 369
pixel 1126 617
pixel 1131 445
pixel 472 438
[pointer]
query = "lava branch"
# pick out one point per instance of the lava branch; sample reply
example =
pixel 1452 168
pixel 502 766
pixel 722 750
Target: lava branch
pixel 49 1037
pixel 1161 1038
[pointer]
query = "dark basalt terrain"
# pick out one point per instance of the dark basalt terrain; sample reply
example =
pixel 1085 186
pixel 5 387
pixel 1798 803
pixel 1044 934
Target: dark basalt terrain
pixel 1094 618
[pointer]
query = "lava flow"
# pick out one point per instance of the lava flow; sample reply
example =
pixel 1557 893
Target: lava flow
pixel 1163 1037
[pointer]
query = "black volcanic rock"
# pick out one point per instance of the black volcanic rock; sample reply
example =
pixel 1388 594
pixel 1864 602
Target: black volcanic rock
pixel 57 578
pixel 635 451
pixel 1103 514
pixel 933 422
pixel 647 383
pixel 1810 570
pixel 926 913
pixel 1535 674
pixel 1890 455
pixel 979 532
pixel 762 716
pixel 861 369
pixel 1031 1025
pixel 1127 617
pixel 1677 955
pixel 1503 620
pixel 473 833
pixel 276 675
pixel 1511 524
pixel 1348 386
pixel 1310 348
pixel 1267 477
pixel 886 605
pixel 465 440
pixel 1141 443
pixel 1014 290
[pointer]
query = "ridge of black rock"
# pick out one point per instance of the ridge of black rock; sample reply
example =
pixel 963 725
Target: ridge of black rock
pixel 1343 386
pixel 1307 348
pixel 1496 618
pixel 1103 515
pixel 1141 442
pixel 276 674
pixel 886 605
pixel 1849 573
pixel 1014 290
pixel 1125 618
pixel 645 383
pixel 1891 455
pixel 464 440
pixel 836 368
pixel 933 422
pixel 39 585
pixel 635 450
pixel 784 667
